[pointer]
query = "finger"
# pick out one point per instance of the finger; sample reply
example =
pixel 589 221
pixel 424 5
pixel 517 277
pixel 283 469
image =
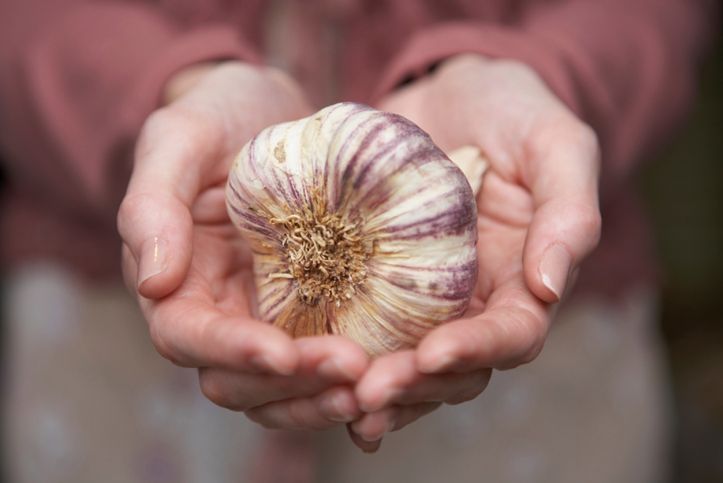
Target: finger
pixel 510 332
pixel 365 446
pixel 373 426
pixel 408 414
pixel 566 224
pixel 323 362
pixel 210 206
pixel 192 334
pixel 333 358
pixel 129 269
pixel 330 408
pixel 395 379
pixel 154 219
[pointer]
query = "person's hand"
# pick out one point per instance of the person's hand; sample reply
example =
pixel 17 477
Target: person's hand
pixel 538 218
pixel 192 272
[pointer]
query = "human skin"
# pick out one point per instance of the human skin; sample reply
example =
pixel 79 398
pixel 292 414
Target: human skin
pixel 191 271
pixel 538 218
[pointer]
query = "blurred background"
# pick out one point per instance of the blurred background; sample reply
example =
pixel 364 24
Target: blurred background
pixel 684 194
pixel 683 190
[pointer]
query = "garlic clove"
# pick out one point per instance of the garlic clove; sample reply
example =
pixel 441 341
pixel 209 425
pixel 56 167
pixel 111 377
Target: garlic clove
pixel 472 163
pixel 359 226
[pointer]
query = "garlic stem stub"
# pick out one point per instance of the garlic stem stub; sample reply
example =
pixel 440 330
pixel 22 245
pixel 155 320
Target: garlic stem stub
pixel 359 226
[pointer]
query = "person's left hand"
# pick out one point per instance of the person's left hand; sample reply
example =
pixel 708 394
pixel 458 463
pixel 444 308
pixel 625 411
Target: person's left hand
pixel 538 218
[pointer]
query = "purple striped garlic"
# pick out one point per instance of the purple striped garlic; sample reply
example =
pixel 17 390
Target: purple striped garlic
pixel 359 225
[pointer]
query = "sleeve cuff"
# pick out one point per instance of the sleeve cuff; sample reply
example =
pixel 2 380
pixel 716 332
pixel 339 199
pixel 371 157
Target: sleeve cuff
pixel 207 44
pixel 440 42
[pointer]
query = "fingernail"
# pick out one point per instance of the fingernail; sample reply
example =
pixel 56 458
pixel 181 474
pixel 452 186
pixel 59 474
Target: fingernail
pixel 332 369
pixel 153 259
pixel 555 268
pixel 337 409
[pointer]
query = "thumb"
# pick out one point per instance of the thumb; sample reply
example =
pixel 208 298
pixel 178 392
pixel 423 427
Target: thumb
pixel 566 224
pixel 154 219
pixel 157 229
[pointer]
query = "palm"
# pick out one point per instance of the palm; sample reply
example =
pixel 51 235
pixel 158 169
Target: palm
pixel 198 295
pixel 501 237
pixel 505 204
pixel 221 275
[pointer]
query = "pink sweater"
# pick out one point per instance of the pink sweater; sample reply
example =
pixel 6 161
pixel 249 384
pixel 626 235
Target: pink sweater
pixel 78 79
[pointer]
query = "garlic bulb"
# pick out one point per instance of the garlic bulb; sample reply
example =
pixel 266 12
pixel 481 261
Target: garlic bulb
pixel 359 225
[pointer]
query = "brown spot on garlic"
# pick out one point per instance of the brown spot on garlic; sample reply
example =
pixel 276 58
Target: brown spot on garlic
pixel 280 152
pixel 359 226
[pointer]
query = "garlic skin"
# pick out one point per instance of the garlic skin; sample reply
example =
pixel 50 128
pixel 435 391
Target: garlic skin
pixel 359 226
pixel 470 160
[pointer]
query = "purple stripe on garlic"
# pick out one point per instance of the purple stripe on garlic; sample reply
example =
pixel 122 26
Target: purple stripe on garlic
pixel 359 226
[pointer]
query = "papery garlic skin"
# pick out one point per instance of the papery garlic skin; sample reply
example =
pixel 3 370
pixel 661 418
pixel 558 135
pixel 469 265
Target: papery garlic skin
pixel 373 185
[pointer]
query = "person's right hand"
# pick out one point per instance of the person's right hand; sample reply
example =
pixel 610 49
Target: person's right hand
pixel 192 272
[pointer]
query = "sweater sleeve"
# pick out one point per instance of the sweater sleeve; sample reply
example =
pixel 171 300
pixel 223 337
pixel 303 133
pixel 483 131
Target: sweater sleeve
pixel 626 67
pixel 77 82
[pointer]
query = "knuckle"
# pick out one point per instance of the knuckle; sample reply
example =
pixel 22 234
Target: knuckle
pixel 587 139
pixel 237 70
pixel 564 129
pixel 131 208
pixel 129 269
pixel 592 223
pixel 532 353
pixel 173 119
pixel 533 339
pixel 587 221
pixel 155 121
pixel 279 415
pixel 160 342
pixel 126 214
pixel 530 334
pixel 298 416
pixel 185 125
pixel 279 76
pixel 516 68
pixel 585 142
pixel 476 384
pixel 156 124
pixel 210 388
pixel 464 396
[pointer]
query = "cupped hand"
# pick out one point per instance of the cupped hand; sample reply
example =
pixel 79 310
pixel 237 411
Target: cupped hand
pixel 193 274
pixel 538 218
